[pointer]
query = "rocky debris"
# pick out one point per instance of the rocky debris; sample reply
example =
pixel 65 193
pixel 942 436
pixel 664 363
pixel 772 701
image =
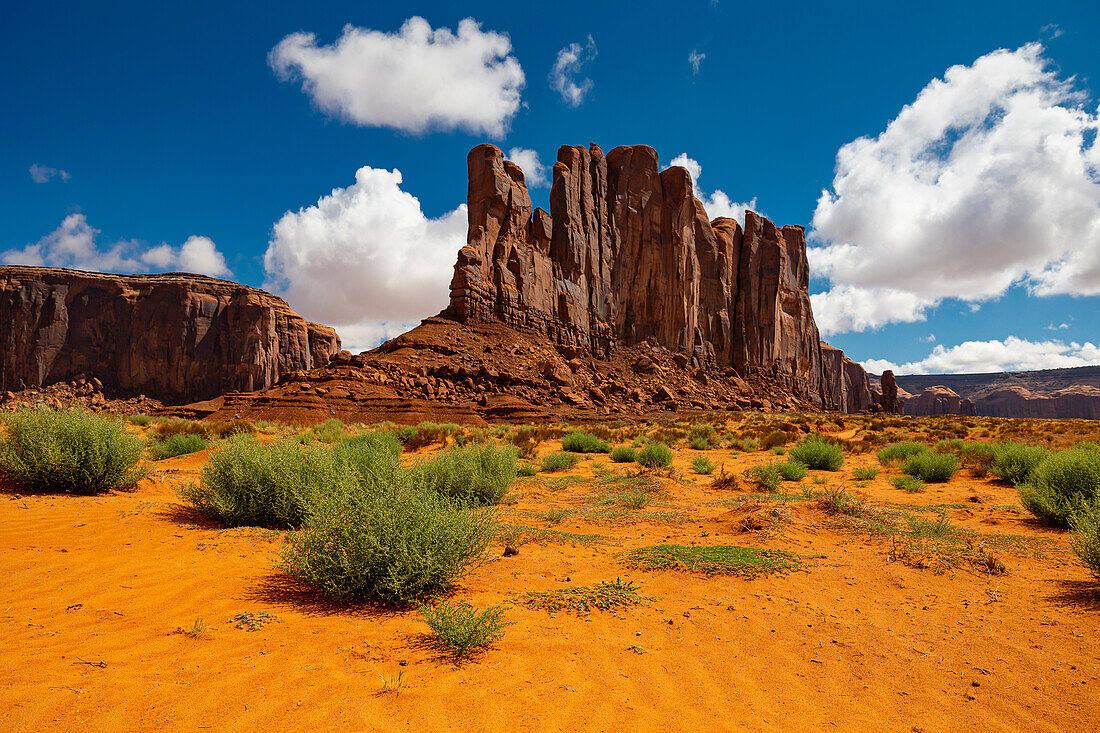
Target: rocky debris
pixel 627 255
pixel 176 337
pixel 79 392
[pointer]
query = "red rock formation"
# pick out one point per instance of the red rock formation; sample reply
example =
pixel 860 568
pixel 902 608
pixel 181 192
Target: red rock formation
pixel 627 255
pixel 1080 401
pixel 888 396
pixel 847 381
pixel 176 337
pixel 935 400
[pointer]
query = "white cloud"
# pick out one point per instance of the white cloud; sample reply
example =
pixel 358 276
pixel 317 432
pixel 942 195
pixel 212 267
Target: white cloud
pixel 416 79
pixel 695 58
pixel 365 259
pixel 929 339
pixel 718 203
pixel 1012 354
pixel 990 178
pixel 43 173
pixel 73 245
pixel 1059 327
pixel 567 67
pixel 533 170
pixel 844 308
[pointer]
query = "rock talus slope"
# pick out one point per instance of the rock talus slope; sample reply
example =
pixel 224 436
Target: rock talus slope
pixel 176 337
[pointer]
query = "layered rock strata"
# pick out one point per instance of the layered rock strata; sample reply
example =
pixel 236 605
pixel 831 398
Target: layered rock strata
pixel 628 254
pixel 176 337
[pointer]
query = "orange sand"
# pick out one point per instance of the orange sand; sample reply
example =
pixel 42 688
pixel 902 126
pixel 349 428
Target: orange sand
pixel 94 590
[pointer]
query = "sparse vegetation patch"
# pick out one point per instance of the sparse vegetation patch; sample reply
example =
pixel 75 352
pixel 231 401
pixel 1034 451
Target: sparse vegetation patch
pixel 713 559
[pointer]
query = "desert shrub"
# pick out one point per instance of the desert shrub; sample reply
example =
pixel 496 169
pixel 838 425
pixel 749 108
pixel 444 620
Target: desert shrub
pixel 461 629
pixel 777 450
pixel 657 455
pixel 397 544
pixel 623 454
pixel 1062 485
pixel 900 451
pixel 1086 537
pixel 476 474
pixel 701 464
pixel 931 467
pixel 778 438
pixel 375 457
pixel 178 445
pixel 954 445
pixel 223 429
pixel 141 420
pixel 700 443
pixel 247 483
pixel 1014 462
pixel 766 476
pixel 745 445
pixel 72 451
pixel 330 431
pixel 404 433
pixel 792 470
pixel 558 461
pixel 978 457
pixel 178 426
pixel 912 484
pixel 579 441
pixel 526 469
pixel 865 473
pixel 839 501
pixel 815 452
pixel 426 433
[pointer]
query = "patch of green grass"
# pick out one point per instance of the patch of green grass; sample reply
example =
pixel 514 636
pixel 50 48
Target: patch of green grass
pixel 461 629
pixel 579 441
pixel 606 595
pixel 713 559
pixel 930 466
pixel 254 621
pixel 817 453
pixel 623 454
pixel 745 445
pixel 821 480
pixel 912 484
pixel 71 451
pixel 526 469
pixel 558 461
pixel 330 431
pixel 178 445
pixel 865 473
pixel 791 470
pixel 657 455
pixel 777 450
pixel 702 465
pixel 898 452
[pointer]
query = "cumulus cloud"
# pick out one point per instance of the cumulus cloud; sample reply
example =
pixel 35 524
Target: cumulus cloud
pixel 989 179
pixel 417 79
pixel 74 245
pixel 695 58
pixel 533 170
pixel 567 67
pixel 43 173
pixel 1011 355
pixel 718 203
pixel 365 259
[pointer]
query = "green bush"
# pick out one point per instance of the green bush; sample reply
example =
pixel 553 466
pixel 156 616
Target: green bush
pixel 817 453
pixel 766 476
pixel 657 455
pixel 1086 538
pixel 898 452
pixel 1014 462
pixel 865 473
pixel 141 420
pixel 623 454
pixel 526 469
pixel 912 484
pixel 71 451
pixel 579 441
pixel 247 483
pixel 461 629
pixel 777 450
pixel 791 470
pixel 329 431
pixel 558 461
pixel 1062 485
pixel 478 474
pixel 700 443
pixel 404 433
pixel 701 464
pixel 178 445
pixel 375 457
pixel 745 445
pixel 397 544
pixel 932 467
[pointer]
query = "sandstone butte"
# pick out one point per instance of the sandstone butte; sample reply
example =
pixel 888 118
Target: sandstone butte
pixel 175 337
pixel 627 254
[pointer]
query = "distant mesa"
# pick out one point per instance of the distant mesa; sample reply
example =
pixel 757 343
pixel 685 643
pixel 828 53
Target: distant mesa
pixel 1048 393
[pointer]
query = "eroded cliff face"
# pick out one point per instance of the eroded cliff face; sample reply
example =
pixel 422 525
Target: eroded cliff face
pixel 177 337
pixel 627 254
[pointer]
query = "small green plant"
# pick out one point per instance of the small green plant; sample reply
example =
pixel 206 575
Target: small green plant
pixel 817 453
pixel 581 599
pixel 70 451
pixel 702 465
pixel 558 461
pixel 392 684
pixel 766 476
pixel 330 431
pixel 821 480
pixel 713 559
pixel 791 470
pixel 839 501
pixel 197 630
pixel 938 528
pixel 579 441
pixel 526 469
pixel 141 421
pixel 745 445
pixel 461 629
pixel 623 454
pixel 930 466
pixel 178 445
pixel 1014 462
pixel 898 452
pixel 777 450
pixel 912 484
pixel 1062 485
pixel 865 473
pixel 657 455
pixel 700 443
pixel 250 621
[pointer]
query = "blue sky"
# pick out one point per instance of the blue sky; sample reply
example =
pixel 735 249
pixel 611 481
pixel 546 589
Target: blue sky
pixel 138 138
